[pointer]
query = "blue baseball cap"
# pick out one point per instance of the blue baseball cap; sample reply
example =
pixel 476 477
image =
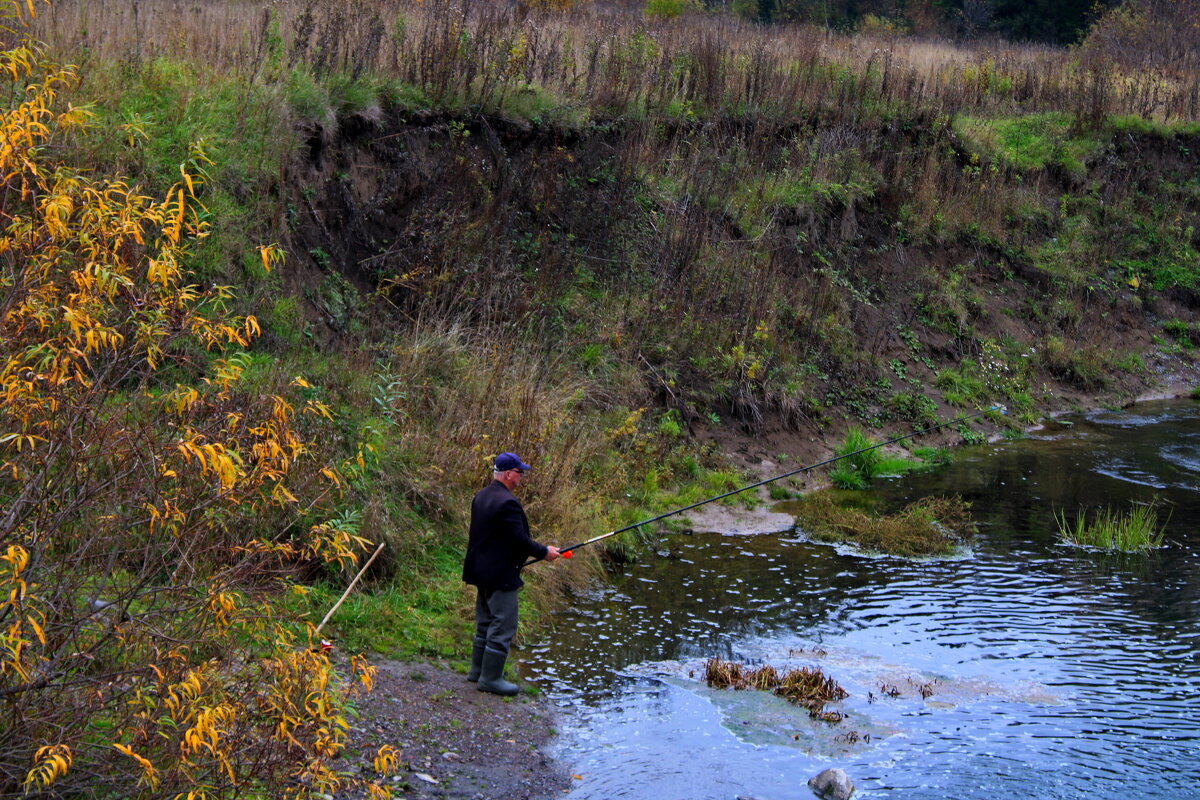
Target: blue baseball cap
pixel 507 461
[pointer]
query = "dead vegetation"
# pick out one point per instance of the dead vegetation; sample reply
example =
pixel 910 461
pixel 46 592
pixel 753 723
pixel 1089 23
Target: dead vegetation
pixel 803 686
pixel 930 526
pixel 485 54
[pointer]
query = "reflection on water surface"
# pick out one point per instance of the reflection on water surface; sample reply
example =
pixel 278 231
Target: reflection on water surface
pixel 1055 671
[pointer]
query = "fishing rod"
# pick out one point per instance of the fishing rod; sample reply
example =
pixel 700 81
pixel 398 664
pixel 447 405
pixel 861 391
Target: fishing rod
pixel 566 552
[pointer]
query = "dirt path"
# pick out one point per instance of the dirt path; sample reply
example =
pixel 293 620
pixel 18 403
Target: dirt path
pixel 455 742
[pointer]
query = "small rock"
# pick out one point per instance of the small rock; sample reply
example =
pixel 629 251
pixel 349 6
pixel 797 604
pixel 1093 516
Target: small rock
pixel 832 784
pixel 450 756
pixel 427 778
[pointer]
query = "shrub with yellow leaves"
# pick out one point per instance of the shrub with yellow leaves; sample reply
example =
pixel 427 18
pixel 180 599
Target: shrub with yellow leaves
pixel 147 499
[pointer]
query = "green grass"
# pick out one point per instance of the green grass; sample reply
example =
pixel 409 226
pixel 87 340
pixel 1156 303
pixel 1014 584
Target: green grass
pixel 845 476
pixel 777 492
pixel 856 471
pixel 933 456
pixel 1140 126
pixel 419 614
pixel 1133 531
pixel 1031 142
pixel 233 136
pixel 959 388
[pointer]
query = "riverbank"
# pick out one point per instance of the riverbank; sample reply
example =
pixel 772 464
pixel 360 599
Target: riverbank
pixel 454 742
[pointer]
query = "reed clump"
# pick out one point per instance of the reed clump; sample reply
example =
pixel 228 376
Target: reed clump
pixel 804 686
pixel 930 526
pixel 1135 530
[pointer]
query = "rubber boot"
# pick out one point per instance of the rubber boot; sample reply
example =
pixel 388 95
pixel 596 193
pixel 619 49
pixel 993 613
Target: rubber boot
pixel 476 658
pixel 491 674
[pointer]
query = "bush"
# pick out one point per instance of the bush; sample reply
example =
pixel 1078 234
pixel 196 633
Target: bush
pixel 151 497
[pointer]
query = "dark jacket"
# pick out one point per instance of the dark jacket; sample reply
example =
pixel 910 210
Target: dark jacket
pixel 499 541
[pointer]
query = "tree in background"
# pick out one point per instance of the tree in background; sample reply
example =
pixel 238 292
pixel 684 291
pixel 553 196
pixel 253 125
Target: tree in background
pixel 1052 21
pixel 671 9
pixel 1158 34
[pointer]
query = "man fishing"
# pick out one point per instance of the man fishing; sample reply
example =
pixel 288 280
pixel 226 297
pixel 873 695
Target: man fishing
pixel 497 547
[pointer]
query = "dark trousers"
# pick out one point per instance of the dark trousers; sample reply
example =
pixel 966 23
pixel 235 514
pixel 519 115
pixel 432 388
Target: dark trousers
pixel 496 617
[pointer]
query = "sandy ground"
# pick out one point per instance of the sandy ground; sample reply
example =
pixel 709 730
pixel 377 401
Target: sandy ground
pixel 738 520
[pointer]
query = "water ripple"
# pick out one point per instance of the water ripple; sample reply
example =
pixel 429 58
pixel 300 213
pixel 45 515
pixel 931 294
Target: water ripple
pixel 1050 671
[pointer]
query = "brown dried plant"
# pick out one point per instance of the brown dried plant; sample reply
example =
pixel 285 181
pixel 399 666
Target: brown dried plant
pixel 805 686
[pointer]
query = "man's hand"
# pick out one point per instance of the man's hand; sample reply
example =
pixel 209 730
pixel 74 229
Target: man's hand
pixel 551 553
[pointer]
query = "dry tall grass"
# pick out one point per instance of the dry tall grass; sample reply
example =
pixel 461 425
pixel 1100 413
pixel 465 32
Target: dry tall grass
pixel 470 394
pixel 620 63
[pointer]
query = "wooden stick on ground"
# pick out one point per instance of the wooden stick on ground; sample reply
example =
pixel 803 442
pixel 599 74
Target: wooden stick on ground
pixel 350 588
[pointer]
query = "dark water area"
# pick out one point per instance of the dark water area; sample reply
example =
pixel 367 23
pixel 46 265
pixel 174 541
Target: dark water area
pixel 1046 670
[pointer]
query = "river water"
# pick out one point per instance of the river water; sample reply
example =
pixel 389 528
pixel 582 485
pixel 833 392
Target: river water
pixel 1020 668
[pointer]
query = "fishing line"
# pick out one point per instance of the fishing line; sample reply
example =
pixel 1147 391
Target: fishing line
pixel 566 552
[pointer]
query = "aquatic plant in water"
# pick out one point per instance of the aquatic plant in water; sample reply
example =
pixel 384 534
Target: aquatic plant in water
pixel 805 686
pixel 930 526
pixel 1133 531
